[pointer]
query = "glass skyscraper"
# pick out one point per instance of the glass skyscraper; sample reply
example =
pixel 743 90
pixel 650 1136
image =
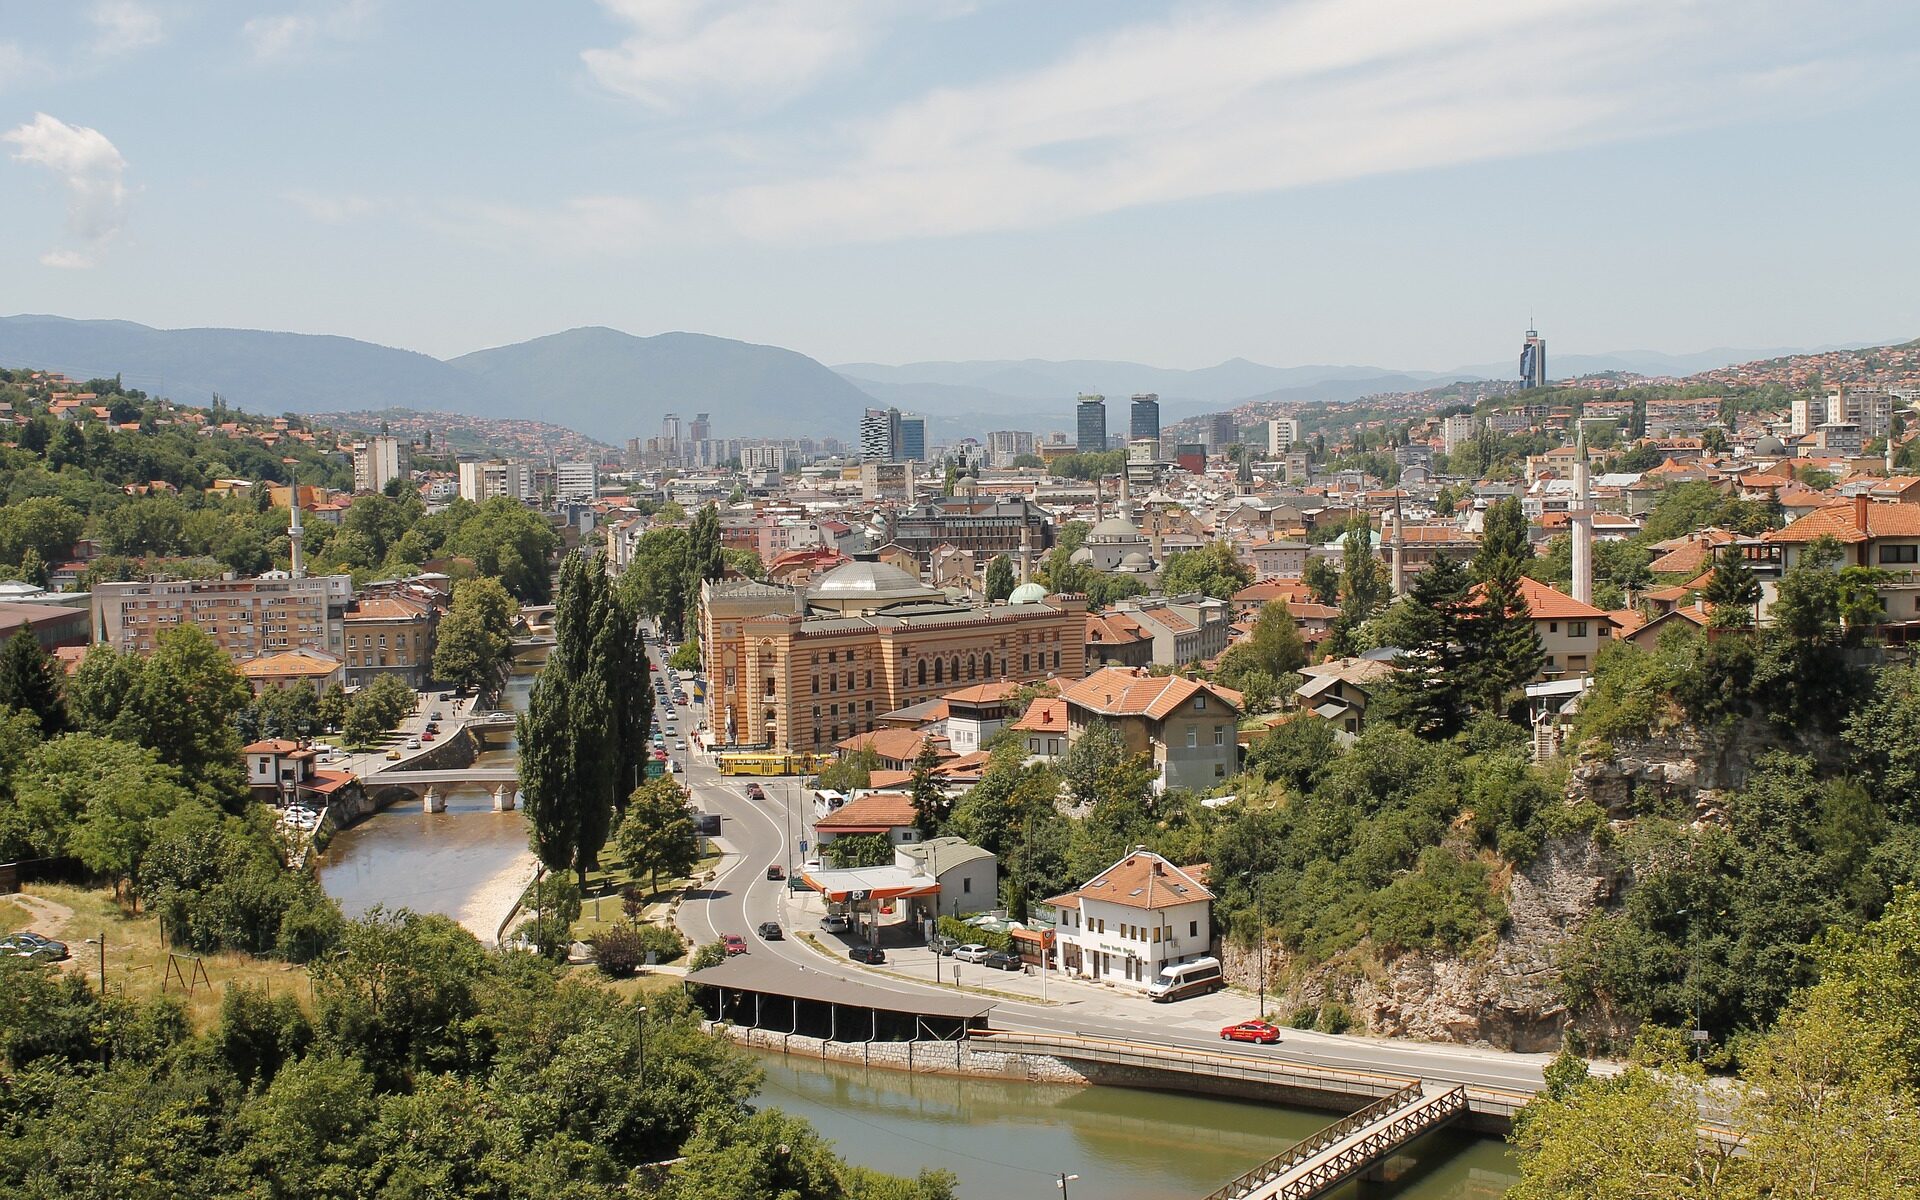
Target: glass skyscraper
pixel 1092 424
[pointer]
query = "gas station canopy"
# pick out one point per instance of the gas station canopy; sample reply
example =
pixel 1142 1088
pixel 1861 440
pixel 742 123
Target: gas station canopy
pixel 870 883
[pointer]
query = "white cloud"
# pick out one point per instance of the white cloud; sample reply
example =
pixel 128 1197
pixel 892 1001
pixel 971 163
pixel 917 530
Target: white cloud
pixel 286 35
pixel 94 174
pixel 1229 99
pixel 744 50
pixel 125 26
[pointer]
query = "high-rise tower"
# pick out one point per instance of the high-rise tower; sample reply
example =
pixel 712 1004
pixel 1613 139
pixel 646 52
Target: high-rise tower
pixel 1091 424
pixel 1533 360
pixel 1143 418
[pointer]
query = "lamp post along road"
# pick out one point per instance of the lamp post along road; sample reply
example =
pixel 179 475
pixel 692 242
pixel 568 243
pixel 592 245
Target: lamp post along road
pixel 1062 1183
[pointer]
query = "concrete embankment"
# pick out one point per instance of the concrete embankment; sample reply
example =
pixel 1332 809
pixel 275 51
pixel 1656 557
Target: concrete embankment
pixel 1041 1059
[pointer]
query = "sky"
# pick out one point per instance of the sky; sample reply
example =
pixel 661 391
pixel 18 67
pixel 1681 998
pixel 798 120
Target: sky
pixel 1398 183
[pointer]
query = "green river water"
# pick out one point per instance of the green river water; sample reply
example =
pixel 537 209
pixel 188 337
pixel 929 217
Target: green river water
pixel 1008 1140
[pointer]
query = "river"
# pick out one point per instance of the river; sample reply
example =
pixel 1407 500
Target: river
pixel 1007 1140
pixel 467 863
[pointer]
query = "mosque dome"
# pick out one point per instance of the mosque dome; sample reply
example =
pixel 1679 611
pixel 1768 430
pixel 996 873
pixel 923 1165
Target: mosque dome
pixel 1027 593
pixel 867 584
pixel 1769 446
pixel 1136 561
pixel 1114 529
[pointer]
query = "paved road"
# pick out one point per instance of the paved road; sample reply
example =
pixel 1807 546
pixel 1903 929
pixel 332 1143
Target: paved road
pixel 741 897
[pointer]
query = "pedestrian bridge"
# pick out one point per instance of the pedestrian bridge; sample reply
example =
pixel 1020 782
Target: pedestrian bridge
pixel 1349 1147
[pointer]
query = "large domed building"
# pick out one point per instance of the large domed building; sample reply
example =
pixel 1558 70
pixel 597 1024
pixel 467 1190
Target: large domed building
pixel 863 588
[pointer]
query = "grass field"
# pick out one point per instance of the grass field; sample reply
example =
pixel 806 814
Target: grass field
pixel 13 916
pixel 136 961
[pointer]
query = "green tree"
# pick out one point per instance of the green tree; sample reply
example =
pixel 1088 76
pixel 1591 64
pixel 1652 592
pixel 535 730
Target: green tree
pixel 1000 578
pixel 708 563
pixel 930 801
pixel 1323 580
pixel 1428 692
pixel 1214 570
pixel 660 579
pixel 474 642
pixel 1505 550
pixel 568 758
pixel 657 837
pixel 331 708
pixel 30 681
pixel 1731 591
pixel 1275 646
pixel 184 709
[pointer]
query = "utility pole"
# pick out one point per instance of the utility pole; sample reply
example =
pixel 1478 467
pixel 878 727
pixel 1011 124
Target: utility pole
pixel 1062 1184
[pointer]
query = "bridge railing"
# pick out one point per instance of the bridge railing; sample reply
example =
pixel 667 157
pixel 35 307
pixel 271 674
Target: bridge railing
pixel 1305 1149
pixel 1337 1169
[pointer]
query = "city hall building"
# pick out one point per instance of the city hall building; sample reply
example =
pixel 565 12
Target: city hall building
pixel 794 670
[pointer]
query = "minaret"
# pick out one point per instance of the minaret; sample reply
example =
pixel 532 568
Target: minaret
pixel 298 558
pixel 1126 497
pixel 1098 483
pixel 1026 552
pixel 1399 553
pixel 1581 518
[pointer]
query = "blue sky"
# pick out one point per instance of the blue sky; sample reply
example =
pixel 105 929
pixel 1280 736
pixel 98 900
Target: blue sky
pixel 1392 182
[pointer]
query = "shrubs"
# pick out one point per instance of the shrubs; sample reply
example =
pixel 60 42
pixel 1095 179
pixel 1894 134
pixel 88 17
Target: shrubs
pixel 617 952
pixel 664 943
pixel 964 933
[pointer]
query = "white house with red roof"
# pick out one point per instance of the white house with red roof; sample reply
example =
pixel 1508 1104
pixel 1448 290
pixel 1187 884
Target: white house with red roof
pixel 1571 632
pixel 1131 920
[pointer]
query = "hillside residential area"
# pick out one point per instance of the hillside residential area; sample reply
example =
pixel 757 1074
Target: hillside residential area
pixel 752 600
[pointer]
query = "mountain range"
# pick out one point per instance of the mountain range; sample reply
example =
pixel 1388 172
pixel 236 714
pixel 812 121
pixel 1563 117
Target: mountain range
pixel 611 385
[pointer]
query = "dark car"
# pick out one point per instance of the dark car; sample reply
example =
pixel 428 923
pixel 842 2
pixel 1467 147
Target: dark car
pixel 943 945
pixel 755 792
pixel 776 871
pixel 867 954
pixel 770 931
pixel 1000 960
pixel 32 945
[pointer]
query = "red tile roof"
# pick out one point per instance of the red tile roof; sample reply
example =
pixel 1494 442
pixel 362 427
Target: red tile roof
pixel 874 811
pixel 1141 880
pixel 1048 714
pixel 1117 691
pixel 1853 520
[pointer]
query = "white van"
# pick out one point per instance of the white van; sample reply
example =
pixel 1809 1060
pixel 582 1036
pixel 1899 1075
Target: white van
pixel 1180 980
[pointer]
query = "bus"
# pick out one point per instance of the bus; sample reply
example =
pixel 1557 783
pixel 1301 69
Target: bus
pixel 766 762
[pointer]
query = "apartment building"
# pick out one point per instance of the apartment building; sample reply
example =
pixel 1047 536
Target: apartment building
pixel 481 481
pixel 1188 726
pixel 246 617
pixel 378 461
pixel 390 635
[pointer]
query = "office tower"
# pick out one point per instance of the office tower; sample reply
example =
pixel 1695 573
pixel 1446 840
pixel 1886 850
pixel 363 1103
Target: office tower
pixel 1091 423
pixel 578 480
pixel 912 446
pixel 1283 433
pixel 879 434
pixel 670 433
pixel 1144 417
pixel 636 454
pixel 701 429
pixel 1533 361
pixel 378 461
pixel 1220 431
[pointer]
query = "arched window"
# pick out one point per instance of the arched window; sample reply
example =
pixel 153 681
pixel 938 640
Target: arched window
pixel 973 668
pixel 938 669
pixel 923 671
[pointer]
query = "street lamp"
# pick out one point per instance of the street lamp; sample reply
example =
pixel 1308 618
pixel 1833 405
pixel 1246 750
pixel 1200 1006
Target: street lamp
pixel 101 942
pixel 1062 1183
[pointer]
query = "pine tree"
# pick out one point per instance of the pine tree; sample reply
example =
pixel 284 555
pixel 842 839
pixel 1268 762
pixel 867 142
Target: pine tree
pixel 1000 578
pixel 30 682
pixel 1508 646
pixel 1505 549
pixel 1430 693
pixel 1731 591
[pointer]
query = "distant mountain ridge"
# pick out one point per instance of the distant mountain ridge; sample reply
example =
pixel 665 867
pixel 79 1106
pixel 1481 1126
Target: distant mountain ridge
pixel 611 386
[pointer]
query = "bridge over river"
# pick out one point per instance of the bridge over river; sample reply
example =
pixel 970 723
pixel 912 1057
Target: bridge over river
pixel 428 784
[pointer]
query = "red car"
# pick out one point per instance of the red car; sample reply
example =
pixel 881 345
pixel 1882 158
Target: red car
pixel 1265 1033
pixel 734 943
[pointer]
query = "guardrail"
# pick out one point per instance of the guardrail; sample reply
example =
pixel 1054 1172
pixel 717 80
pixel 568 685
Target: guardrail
pixel 1306 1148
pixel 1342 1081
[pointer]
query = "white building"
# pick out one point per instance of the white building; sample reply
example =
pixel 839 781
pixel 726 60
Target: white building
pixel 484 480
pixel 379 461
pixel 1457 430
pixel 1283 433
pixel 577 480
pixel 1134 918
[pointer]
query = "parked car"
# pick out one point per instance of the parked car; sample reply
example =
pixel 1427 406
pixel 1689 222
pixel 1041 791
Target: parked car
pixel 972 952
pixel 734 943
pixel 1264 1033
pixel 32 945
pixel 770 931
pixel 1000 960
pixel 942 944
pixel 867 954
pixel 836 922
pixel 776 871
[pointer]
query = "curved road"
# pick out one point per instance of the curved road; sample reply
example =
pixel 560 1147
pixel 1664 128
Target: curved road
pixel 753 835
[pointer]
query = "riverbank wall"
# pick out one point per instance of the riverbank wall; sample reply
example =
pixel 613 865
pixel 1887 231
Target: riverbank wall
pixel 1082 1062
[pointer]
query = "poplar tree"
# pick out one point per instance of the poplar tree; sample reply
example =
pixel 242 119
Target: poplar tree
pixel 568 759
pixel 1000 578
pixel 1510 646
pixel 929 798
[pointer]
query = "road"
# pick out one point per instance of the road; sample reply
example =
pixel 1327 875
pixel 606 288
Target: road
pixel 753 835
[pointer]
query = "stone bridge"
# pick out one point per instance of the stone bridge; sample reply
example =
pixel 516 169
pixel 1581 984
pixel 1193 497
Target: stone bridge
pixel 504 782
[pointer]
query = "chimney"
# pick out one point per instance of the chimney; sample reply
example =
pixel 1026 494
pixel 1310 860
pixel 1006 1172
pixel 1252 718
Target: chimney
pixel 1860 503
